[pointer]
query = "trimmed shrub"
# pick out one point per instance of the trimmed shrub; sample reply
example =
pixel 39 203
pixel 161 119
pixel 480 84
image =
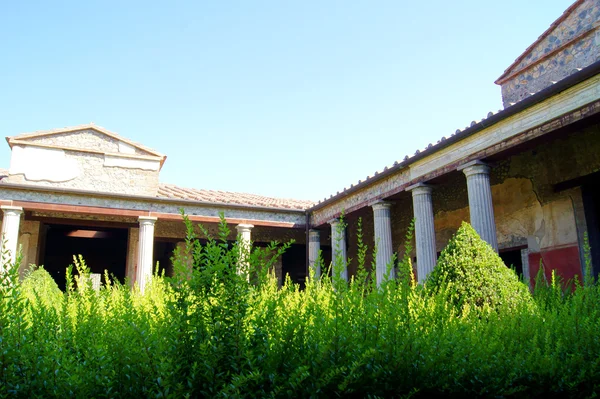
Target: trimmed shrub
pixel 470 273
pixel 39 285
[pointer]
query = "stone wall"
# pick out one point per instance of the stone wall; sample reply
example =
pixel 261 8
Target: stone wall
pixel 84 160
pixel 88 171
pixel 570 46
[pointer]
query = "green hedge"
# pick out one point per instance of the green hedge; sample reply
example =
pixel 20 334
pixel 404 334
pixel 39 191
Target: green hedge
pixel 208 333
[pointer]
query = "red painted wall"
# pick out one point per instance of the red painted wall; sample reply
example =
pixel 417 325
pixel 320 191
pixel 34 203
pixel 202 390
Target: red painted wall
pixel 565 260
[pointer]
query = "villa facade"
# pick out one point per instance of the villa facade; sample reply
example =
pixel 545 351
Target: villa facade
pixel 526 177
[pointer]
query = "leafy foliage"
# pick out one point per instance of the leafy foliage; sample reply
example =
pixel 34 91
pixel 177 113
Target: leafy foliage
pixel 469 273
pixel 223 328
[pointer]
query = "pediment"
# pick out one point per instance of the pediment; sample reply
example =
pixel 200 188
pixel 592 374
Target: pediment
pixel 87 138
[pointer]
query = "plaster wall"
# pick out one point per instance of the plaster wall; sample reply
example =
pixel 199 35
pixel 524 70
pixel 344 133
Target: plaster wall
pixel 52 167
pixel 29 233
pixel 132 253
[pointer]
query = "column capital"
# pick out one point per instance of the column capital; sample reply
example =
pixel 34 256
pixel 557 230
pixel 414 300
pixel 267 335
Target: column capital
pixel 314 233
pixel 9 209
pixel 381 205
pixel 475 168
pixel 147 220
pixel 244 227
pixel 420 189
pixel 333 221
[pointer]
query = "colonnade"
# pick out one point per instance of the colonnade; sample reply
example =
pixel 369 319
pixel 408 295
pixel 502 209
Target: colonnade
pixel 481 215
pixel 481 211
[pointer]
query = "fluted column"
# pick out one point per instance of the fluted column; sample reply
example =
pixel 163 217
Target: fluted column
pixel 245 243
pixel 145 251
pixel 338 244
pixel 424 230
pixel 10 233
pixel 314 246
pixel 383 240
pixel 481 207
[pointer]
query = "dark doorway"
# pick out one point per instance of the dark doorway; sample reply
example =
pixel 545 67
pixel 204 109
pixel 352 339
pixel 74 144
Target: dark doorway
pixel 590 192
pixel 102 249
pixel 293 262
pixel 163 252
pixel 512 258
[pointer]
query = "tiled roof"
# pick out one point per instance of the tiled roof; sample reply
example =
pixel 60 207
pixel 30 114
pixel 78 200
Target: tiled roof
pixel 491 118
pixel 224 197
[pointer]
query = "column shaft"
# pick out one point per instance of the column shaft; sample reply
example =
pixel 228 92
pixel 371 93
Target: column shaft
pixel 383 241
pixel 245 246
pixel 10 234
pixel 338 244
pixel 424 230
pixel 314 246
pixel 145 251
pixel 481 207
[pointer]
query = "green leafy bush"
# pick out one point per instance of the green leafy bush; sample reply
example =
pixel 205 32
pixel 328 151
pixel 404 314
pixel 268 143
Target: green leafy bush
pixel 469 273
pixel 40 287
pixel 208 332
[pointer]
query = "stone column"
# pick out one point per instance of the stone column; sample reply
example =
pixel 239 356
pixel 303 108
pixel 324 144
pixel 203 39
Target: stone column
pixel 525 265
pixel 145 251
pixel 245 237
pixel 481 207
pixel 338 246
pixel 10 234
pixel 383 240
pixel 424 230
pixel 314 246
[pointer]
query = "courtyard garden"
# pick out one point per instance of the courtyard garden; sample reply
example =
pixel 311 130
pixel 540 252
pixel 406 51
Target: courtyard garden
pixel 223 328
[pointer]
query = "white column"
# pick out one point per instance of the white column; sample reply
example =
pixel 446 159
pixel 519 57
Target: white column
pixel 10 233
pixel 481 207
pixel 145 251
pixel 338 245
pixel 383 240
pixel 245 240
pixel 424 230
pixel 314 246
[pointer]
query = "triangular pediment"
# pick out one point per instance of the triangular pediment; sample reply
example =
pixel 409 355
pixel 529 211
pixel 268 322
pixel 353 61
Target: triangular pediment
pixel 90 137
pixel 577 22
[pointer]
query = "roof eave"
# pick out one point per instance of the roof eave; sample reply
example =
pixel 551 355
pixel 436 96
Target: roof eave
pixel 528 102
pixel 32 187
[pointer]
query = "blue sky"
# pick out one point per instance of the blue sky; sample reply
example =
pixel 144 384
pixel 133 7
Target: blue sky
pixel 281 98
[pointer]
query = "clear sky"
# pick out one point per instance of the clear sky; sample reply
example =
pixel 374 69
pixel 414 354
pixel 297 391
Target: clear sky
pixel 281 98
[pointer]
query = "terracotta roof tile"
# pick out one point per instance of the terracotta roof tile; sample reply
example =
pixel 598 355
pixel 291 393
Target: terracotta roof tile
pixel 190 194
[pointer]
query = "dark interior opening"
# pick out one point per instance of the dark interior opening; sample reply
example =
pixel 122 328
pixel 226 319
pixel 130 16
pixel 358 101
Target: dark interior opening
pixel 102 249
pixel 590 192
pixel 512 258
pixel 293 262
pixel 163 252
